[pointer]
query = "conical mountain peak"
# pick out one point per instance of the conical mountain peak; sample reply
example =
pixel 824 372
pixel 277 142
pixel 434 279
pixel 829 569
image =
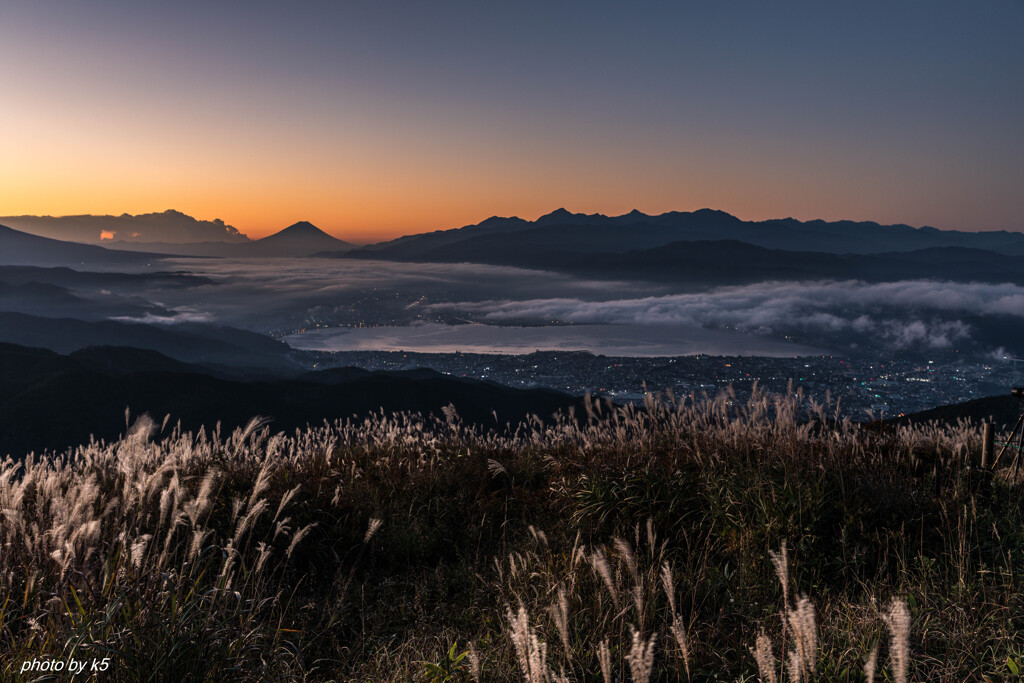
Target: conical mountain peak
pixel 300 239
pixel 302 227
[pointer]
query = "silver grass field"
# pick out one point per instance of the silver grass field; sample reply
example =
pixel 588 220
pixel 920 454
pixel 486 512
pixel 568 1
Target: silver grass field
pixel 692 539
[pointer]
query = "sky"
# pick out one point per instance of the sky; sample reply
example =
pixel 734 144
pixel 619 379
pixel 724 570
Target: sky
pixel 377 119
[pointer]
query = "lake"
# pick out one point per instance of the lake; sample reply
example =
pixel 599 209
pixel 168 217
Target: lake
pixel 609 340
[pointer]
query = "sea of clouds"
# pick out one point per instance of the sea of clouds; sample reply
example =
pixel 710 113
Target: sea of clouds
pixel 898 314
pixel 916 314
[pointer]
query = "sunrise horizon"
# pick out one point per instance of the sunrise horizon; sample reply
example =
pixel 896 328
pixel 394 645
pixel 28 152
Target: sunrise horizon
pixel 268 116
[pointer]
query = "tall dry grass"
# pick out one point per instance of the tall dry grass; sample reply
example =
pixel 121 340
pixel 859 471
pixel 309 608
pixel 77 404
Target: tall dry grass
pixel 641 543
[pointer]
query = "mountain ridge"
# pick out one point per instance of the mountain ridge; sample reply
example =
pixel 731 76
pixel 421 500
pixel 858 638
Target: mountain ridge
pixel 18 248
pixel 170 226
pixel 298 239
pixel 638 230
pixel 709 262
pixel 174 234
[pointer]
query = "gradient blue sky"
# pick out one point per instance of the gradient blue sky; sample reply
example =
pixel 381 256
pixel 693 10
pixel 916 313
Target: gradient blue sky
pixel 376 119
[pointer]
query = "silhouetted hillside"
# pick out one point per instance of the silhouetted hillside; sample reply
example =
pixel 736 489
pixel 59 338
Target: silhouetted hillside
pixel 51 401
pixel 84 295
pixel 186 342
pixel 1003 411
pixel 562 231
pixel 22 249
pixel 170 227
pixel 54 301
pixel 731 262
pixel 582 250
pixel 84 279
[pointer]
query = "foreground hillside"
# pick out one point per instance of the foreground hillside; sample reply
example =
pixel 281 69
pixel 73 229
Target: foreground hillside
pixel 680 544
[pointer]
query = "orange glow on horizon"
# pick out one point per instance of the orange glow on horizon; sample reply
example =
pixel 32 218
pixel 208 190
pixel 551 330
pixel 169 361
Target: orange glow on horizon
pixel 370 224
pixel 367 188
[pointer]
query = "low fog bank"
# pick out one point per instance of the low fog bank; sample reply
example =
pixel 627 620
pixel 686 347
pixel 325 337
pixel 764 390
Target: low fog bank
pixel 289 297
pixel 846 316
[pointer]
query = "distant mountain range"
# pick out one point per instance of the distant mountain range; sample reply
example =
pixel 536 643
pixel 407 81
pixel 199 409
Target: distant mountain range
pixel 562 231
pixel 20 248
pixel 697 249
pixel 172 233
pixel 297 240
pixel 170 227
pixel 714 248
pixel 52 401
pixel 674 246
